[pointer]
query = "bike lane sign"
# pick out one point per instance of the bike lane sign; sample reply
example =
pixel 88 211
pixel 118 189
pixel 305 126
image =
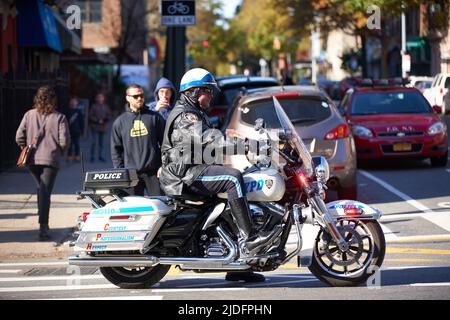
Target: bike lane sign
pixel 177 13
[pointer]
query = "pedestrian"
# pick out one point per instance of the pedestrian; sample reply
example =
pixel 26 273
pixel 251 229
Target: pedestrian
pixel 99 115
pixel 165 96
pixel 50 130
pixel 136 140
pixel 76 125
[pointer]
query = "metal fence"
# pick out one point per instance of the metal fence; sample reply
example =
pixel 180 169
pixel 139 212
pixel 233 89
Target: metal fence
pixel 16 97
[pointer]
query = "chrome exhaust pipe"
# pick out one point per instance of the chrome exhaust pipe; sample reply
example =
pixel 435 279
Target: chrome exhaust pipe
pixel 149 261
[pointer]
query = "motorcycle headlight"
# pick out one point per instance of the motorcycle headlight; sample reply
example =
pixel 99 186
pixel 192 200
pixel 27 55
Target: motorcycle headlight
pixel 437 128
pixel 361 131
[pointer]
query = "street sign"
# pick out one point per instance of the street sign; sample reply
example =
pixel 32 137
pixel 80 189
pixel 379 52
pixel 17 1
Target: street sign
pixel 178 13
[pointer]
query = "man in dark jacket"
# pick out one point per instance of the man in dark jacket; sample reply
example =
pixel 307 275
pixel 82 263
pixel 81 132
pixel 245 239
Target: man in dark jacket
pixel 187 130
pixel 136 138
pixel 165 95
pixel 76 125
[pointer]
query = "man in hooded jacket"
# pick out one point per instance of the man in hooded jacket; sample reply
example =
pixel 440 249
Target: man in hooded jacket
pixel 136 139
pixel 165 95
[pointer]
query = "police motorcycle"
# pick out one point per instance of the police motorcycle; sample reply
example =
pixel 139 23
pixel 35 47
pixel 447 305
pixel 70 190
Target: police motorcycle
pixel 135 240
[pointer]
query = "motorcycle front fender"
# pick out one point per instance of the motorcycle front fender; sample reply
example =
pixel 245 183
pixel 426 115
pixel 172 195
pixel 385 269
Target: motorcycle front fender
pixel 350 209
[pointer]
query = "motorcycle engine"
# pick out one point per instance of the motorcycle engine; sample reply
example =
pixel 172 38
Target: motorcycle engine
pixel 265 216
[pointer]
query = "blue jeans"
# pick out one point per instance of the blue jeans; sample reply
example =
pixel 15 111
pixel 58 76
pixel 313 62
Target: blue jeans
pixel 97 137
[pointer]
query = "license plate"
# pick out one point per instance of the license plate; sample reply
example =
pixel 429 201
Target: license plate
pixel 402 147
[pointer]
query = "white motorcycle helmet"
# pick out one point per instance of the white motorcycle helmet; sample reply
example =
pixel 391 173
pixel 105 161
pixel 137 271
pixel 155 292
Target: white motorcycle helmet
pixel 197 77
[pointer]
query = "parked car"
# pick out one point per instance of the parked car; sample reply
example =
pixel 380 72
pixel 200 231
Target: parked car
pixel 439 87
pixel 230 86
pixel 316 119
pixel 420 82
pixel 395 122
pixel 346 84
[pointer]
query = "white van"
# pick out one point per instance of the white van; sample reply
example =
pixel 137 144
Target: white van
pixel 439 87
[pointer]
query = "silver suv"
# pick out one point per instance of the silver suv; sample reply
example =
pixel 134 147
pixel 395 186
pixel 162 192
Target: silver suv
pixel 316 119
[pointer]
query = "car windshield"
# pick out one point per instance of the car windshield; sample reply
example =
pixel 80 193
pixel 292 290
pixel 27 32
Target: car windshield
pixel 389 102
pixel 300 110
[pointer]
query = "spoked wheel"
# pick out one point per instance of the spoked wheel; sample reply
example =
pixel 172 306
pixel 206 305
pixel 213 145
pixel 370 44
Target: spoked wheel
pixel 135 277
pixel 354 266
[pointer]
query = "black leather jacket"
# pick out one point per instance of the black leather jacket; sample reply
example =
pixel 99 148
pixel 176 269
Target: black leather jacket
pixel 186 137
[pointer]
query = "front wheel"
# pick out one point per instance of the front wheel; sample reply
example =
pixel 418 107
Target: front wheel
pixel 440 161
pixel 135 277
pixel 365 255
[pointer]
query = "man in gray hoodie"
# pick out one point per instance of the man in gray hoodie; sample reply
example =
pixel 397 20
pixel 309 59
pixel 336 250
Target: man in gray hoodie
pixel 165 96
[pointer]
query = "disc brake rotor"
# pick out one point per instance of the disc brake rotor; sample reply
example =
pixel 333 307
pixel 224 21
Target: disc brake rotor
pixel 349 257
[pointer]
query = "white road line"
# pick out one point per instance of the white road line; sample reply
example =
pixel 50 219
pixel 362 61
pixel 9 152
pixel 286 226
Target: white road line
pixel 431 237
pixel 413 267
pixel 9 271
pixel 112 298
pixel 269 284
pixel 389 235
pixel 437 284
pixel 53 278
pixel 33 264
pixel 437 218
pixel 59 288
pixel 197 289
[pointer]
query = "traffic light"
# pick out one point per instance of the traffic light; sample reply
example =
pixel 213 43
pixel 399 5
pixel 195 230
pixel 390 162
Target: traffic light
pixel 205 43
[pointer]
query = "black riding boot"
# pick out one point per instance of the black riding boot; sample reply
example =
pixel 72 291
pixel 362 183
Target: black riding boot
pixel 241 213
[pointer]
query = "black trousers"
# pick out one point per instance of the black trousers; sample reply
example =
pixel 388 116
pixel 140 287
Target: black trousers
pixel 44 177
pixel 74 147
pixel 149 182
pixel 218 179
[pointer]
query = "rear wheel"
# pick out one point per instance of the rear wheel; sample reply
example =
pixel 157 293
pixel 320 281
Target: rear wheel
pixel 135 277
pixel 366 252
pixel 440 161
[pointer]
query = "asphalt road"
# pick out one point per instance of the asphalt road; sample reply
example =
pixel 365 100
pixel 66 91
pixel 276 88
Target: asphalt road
pixel 414 199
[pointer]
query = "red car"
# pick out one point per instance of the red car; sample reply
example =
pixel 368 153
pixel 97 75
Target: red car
pixel 395 122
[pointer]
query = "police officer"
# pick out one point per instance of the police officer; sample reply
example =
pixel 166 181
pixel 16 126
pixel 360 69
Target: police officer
pixel 187 127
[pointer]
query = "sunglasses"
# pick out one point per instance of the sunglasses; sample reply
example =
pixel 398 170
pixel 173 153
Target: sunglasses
pixel 207 90
pixel 137 96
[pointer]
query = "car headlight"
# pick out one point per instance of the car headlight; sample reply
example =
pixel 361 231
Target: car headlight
pixel 437 128
pixel 361 131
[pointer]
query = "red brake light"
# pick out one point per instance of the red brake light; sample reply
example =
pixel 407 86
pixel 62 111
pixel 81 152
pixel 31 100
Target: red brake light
pixel 287 95
pixel 339 132
pixel 353 211
pixel 302 179
pixel 84 216
pixel 120 217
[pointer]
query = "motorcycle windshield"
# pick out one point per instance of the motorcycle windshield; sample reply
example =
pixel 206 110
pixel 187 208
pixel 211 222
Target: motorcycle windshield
pixel 293 137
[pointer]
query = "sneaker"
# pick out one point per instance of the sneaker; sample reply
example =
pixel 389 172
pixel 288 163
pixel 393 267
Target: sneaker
pixel 69 158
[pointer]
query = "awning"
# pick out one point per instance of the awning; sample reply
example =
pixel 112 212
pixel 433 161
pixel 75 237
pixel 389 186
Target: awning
pixel 70 41
pixel 36 26
pixel 420 49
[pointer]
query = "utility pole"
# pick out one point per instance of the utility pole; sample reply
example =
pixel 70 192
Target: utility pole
pixel 175 58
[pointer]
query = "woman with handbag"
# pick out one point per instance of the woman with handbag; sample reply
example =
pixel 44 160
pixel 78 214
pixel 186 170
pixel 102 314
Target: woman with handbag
pixel 45 132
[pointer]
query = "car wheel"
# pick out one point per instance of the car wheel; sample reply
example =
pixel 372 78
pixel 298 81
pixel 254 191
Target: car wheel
pixel 350 193
pixel 440 161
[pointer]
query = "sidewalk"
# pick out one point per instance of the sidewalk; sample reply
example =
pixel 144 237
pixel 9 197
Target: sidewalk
pixel 19 225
